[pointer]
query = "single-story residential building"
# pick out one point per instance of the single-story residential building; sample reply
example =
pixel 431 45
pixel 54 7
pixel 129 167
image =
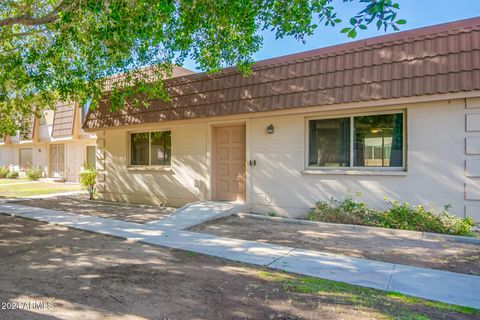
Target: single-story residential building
pixel 56 143
pixel 395 116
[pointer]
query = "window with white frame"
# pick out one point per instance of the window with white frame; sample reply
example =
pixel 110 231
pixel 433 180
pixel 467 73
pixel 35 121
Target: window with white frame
pixel 357 141
pixel 150 148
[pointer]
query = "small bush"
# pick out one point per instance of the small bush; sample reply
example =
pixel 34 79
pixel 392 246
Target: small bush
pixel 12 175
pixel 272 214
pixel 407 217
pixel 34 173
pixel 88 180
pixel 400 216
pixel 346 211
pixel 4 172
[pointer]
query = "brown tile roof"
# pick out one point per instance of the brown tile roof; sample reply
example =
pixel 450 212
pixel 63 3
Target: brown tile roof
pixel 434 60
pixel 63 120
pixel 147 74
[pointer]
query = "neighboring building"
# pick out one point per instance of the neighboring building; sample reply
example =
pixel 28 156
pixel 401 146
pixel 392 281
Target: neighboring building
pixel 56 143
pixel 395 116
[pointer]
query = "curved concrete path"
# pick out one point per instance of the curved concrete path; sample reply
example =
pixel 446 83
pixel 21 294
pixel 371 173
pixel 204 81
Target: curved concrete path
pixel 449 287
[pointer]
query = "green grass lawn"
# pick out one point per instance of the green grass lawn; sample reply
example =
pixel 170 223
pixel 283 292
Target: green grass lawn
pixel 9 181
pixel 391 304
pixel 9 190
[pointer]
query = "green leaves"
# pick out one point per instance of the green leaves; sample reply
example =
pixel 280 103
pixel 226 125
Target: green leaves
pixel 75 53
pixel 382 12
pixel 88 178
pixel 352 33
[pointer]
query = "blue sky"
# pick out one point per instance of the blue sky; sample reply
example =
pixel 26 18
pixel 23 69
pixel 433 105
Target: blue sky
pixel 418 13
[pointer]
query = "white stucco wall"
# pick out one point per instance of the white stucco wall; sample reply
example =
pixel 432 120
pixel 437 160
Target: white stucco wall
pixel 435 175
pixel 6 155
pixel 187 180
pixel 39 155
pixel 75 157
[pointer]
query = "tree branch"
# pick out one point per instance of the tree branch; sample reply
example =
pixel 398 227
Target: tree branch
pixel 28 20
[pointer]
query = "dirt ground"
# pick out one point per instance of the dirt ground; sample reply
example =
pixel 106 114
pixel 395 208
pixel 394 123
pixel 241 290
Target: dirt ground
pixel 380 246
pixel 84 275
pixel 81 205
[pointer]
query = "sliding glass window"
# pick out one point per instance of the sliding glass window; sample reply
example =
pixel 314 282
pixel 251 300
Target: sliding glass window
pixel 357 141
pixel 150 148
pixel 329 143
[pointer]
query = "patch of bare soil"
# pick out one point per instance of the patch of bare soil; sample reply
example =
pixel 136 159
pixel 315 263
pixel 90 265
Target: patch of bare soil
pixel 81 205
pixel 379 245
pixel 90 276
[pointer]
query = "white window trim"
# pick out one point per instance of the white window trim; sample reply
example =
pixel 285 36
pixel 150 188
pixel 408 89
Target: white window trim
pixel 144 167
pixel 355 170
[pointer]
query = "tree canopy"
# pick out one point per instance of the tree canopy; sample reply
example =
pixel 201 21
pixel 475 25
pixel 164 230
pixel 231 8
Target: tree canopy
pixel 66 50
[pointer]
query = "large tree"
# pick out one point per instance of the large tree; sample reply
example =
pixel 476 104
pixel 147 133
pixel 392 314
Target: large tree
pixel 54 50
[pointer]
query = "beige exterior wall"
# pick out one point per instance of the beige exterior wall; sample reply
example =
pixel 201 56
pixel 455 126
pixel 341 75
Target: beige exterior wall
pixel 10 155
pixel 434 175
pixel 186 181
pixel 6 155
pixel 75 157
pixel 436 162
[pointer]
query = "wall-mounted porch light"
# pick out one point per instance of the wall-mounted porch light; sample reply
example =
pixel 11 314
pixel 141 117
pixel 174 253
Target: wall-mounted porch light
pixel 270 129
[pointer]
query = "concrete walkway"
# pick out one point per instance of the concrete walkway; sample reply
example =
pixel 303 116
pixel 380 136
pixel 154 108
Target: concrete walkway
pixel 449 287
pixel 197 213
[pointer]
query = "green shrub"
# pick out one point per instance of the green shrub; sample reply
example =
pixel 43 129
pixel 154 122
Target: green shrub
pixel 407 217
pixel 4 172
pixel 272 214
pixel 34 173
pixel 399 216
pixel 346 211
pixel 88 180
pixel 12 175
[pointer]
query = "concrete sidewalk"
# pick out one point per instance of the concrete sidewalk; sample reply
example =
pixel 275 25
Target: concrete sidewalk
pixel 449 287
